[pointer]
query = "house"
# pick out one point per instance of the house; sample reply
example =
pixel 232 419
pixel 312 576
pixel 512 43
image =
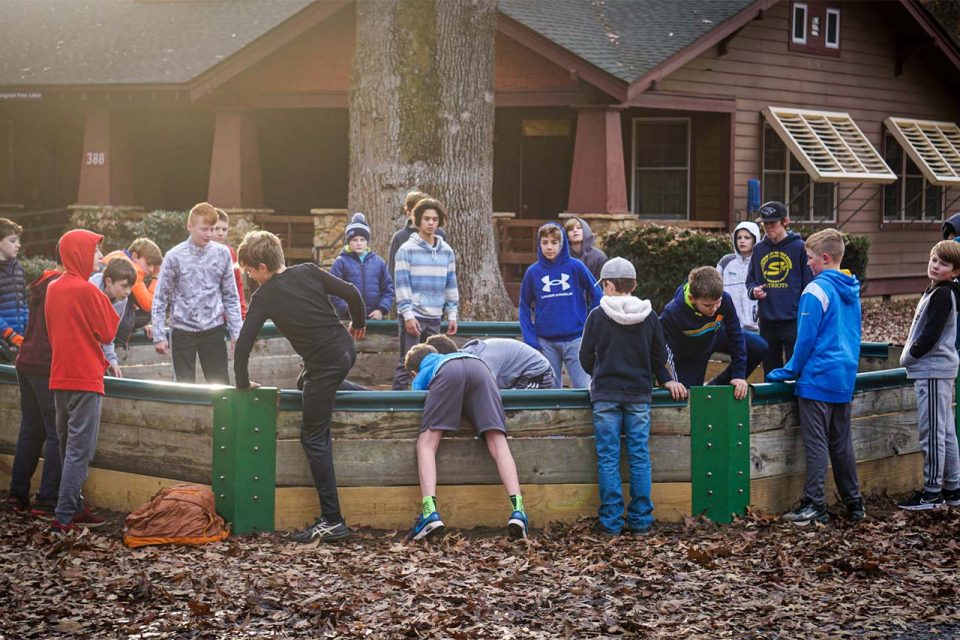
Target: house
pixel 621 110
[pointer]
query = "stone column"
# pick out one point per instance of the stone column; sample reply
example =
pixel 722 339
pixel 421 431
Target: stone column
pixel 328 228
pixel 598 179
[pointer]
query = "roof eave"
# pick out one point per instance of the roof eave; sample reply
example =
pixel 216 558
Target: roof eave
pixel 941 40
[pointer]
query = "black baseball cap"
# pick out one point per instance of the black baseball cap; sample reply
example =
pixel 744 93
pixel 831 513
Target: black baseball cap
pixel 773 210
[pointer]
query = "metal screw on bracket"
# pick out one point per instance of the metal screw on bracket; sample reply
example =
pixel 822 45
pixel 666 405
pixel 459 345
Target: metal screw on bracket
pixel 710 492
pixel 222 495
pixel 709 445
pixel 256 448
pixel 223 447
pixel 223 477
pixel 709 474
pixel 709 427
pixel 256 478
pixel 255 498
pixel 256 429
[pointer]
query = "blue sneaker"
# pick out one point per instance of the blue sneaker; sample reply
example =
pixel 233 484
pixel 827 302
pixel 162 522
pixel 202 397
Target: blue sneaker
pixel 426 527
pixel 517 524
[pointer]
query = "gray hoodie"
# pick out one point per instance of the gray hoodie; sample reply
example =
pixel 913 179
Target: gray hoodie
pixel 589 254
pixel 733 269
pixel 931 351
pixel 508 359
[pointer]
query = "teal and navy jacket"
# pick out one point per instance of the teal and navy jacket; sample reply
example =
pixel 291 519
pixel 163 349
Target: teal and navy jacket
pixel 13 299
pixel 692 336
pixel 556 296
pixel 426 280
pixel 431 364
pixel 827 351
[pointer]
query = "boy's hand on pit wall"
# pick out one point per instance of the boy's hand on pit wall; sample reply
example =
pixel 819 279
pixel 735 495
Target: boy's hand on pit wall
pixel 376 314
pixel 759 293
pixel 254 385
pixel 148 331
pixel 358 334
pixel 451 327
pixel 162 347
pixel 677 390
pixel 114 370
pixel 740 388
pixel 412 327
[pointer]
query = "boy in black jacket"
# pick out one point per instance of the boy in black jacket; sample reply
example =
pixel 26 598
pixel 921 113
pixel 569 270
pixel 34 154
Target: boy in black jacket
pixel 622 348
pixel 297 300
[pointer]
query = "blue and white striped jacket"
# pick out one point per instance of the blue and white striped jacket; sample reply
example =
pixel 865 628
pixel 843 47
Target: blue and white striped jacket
pixel 426 280
pixel 13 297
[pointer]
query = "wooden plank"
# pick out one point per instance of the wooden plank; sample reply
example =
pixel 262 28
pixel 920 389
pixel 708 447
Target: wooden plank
pixel 182 456
pixel 895 474
pixel 464 506
pixel 865 403
pixel 774 453
pixel 539 461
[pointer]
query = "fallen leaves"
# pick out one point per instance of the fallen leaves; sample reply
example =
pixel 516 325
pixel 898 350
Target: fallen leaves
pixel 893 576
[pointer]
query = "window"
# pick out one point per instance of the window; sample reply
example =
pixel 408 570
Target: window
pixel 911 198
pixel 785 179
pixel 832 40
pixel 661 167
pixel 800 23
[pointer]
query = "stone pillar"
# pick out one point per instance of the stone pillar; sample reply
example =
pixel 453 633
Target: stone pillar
pixel 106 172
pixel 328 228
pixel 598 179
pixel 242 221
pixel 235 179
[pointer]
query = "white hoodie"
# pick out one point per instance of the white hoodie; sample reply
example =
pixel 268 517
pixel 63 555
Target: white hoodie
pixel 625 309
pixel 733 268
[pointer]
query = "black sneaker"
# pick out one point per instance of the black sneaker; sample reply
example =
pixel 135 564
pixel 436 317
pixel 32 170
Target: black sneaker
pixel 18 504
pixel 320 530
pixel 922 501
pixel 855 511
pixel 806 512
pixel 952 497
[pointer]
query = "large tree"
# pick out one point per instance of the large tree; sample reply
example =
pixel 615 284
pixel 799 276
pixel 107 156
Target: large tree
pixel 421 116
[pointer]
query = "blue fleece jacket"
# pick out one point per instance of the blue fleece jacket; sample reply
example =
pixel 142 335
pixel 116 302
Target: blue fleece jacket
pixel 13 299
pixel 430 366
pixel 692 336
pixel 782 267
pixel 367 272
pixel 827 352
pixel 556 296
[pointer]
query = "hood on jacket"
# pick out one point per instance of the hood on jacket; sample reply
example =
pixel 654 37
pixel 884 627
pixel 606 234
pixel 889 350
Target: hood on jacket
pixel 587 236
pixel 844 283
pixel 564 256
pixel 42 278
pixel 954 287
pixel 420 242
pixel 749 226
pixel 626 310
pixel 790 238
pixel 77 249
pixel 951 225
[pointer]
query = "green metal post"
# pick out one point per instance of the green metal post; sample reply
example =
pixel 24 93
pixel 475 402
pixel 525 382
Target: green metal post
pixel 719 453
pixel 245 457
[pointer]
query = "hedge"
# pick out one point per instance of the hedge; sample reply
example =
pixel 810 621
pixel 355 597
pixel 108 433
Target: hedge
pixel 119 228
pixel 663 256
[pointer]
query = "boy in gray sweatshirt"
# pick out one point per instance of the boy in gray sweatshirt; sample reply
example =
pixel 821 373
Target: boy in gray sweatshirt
pixel 930 356
pixel 515 364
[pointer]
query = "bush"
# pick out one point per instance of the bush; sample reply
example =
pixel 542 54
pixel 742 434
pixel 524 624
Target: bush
pixel 663 256
pixel 856 255
pixel 34 266
pixel 119 228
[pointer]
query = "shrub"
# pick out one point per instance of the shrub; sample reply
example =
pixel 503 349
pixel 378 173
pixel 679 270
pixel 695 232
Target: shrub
pixel 119 228
pixel 663 256
pixel 856 254
pixel 34 266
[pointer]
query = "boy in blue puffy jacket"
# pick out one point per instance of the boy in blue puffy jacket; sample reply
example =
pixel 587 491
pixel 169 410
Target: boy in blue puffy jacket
pixel 13 288
pixel 824 364
pixel 361 267
pixel 556 295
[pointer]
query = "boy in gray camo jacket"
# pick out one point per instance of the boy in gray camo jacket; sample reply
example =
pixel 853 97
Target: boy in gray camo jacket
pixel 197 284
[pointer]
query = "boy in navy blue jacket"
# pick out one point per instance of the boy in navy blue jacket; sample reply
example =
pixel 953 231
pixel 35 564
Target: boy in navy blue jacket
pixel 702 320
pixel 824 364
pixel 777 276
pixel 556 294
pixel 13 288
pixel 361 267
pixel 623 348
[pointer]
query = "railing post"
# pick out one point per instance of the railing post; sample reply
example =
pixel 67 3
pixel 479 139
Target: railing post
pixel 245 457
pixel 719 453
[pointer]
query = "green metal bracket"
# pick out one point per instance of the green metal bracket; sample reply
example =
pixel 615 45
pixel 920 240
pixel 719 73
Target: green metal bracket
pixel 719 453
pixel 245 457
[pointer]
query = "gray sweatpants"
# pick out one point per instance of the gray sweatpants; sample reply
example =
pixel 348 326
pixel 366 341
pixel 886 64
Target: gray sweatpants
pixel 78 422
pixel 825 427
pixel 938 435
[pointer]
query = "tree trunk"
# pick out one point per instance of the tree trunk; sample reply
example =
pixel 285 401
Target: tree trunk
pixel 421 116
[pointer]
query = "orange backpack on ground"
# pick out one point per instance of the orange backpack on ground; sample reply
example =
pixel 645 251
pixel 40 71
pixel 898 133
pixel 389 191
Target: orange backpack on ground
pixel 181 514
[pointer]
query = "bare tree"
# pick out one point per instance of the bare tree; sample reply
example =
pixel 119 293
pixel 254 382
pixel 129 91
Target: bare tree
pixel 421 116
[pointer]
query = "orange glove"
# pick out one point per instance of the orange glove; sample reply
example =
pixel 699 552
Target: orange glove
pixel 12 336
pixel 17 339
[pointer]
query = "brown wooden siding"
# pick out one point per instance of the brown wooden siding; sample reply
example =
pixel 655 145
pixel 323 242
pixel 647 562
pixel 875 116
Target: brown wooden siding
pixel 759 70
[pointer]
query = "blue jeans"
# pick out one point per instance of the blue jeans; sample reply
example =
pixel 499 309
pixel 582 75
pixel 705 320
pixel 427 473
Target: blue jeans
pixel 559 353
pixel 38 434
pixel 633 419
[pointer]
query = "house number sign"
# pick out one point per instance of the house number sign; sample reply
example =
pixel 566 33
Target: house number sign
pixel 96 158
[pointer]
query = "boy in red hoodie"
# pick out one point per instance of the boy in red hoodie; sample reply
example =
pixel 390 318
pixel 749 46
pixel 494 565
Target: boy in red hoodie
pixel 80 318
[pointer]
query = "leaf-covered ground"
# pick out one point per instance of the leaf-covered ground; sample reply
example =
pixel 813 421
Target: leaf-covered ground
pixel 887 320
pixel 892 577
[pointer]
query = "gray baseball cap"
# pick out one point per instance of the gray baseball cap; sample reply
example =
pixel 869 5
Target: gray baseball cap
pixel 617 268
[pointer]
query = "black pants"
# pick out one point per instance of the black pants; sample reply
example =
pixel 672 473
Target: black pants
pixel 321 378
pixel 209 345
pixel 780 337
pixel 428 327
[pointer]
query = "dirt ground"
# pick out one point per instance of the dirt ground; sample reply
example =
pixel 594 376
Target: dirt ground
pixel 892 577
pixel 887 320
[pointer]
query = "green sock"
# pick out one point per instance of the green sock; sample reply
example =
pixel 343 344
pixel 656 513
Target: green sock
pixel 429 505
pixel 517 502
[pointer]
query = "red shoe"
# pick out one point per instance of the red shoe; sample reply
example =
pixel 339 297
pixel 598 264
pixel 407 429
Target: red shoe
pixel 86 518
pixel 59 528
pixel 43 509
